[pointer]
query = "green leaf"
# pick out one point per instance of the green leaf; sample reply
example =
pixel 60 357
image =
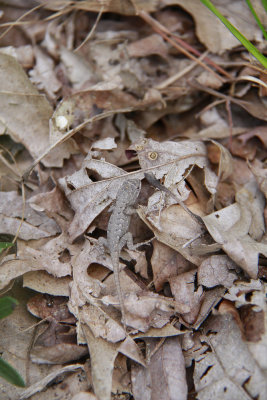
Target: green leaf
pixel 246 43
pixel 7 305
pixel 5 245
pixel 10 374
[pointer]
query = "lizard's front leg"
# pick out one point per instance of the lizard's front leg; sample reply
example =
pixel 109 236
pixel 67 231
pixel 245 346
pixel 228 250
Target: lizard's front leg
pixel 127 240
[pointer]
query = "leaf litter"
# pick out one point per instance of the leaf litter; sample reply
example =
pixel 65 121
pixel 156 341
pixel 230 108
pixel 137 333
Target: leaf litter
pixel 93 95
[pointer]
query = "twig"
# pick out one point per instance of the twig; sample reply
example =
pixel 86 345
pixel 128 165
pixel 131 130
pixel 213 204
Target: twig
pixel 154 182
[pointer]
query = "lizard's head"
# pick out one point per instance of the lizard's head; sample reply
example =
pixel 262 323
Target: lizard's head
pixel 131 189
pixel 135 184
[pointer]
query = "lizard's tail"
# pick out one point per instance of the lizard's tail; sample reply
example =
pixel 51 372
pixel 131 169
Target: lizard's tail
pixel 116 272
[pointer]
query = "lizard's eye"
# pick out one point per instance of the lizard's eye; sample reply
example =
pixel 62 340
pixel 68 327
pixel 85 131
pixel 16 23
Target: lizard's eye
pixel 152 155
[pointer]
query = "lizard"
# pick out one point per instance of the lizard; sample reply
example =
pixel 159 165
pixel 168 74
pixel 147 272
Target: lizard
pixel 118 234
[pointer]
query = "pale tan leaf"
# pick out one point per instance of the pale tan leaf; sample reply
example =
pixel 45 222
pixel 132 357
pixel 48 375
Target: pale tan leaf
pixel 131 350
pixel 175 228
pixel 24 54
pixel 35 225
pixel 41 384
pixel 56 345
pixel 101 323
pixel 42 282
pixel 211 299
pixel 226 163
pixel 238 294
pixel 78 69
pixel 47 258
pixel 188 299
pixel 217 270
pixel 81 279
pixel 166 263
pixel 216 127
pixel 251 198
pixel 43 74
pixel 84 396
pixel 229 370
pixel 102 355
pixel 261 176
pixel 84 106
pixel 229 227
pixel 153 44
pixel 145 309
pixel 166 331
pixel 164 376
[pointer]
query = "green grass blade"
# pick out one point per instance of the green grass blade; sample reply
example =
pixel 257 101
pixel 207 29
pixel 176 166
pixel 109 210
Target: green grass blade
pixel 246 43
pixel 7 305
pixel 10 374
pixel 5 245
pixel 253 12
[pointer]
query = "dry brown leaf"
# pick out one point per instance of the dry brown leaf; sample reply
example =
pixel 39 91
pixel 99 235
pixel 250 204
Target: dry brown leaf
pixel 164 376
pixel 82 106
pixel 102 323
pixel 238 293
pixel 211 299
pixel 229 370
pixel 16 337
pixel 56 345
pixel 260 174
pixel 216 127
pixel 78 69
pixel 175 228
pixel 217 270
pixel 251 198
pixel 145 309
pixel 192 347
pixel 43 74
pixel 84 396
pixel 31 114
pixel 166 331
pixel 188 298
pixel 173 159
pixel 102 356
pixel 35 225
pixel 153 44
pixel 166 263
pixel 229 227
pixel 253 326
pixel 82 282
pixel 211 32
pixel 225 163
pixel 42 383
pixel 131 350
pixel 55 205
pixel 127 7
pixel 48 258
pixel 24 54
pixel 42 282
pixel 50 307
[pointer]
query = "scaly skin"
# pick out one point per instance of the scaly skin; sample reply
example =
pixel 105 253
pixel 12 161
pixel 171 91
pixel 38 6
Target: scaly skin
pixel 117 233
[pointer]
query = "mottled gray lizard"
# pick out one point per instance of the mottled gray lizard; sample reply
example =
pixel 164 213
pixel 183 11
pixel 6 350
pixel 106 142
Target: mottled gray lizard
pixel 117 234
